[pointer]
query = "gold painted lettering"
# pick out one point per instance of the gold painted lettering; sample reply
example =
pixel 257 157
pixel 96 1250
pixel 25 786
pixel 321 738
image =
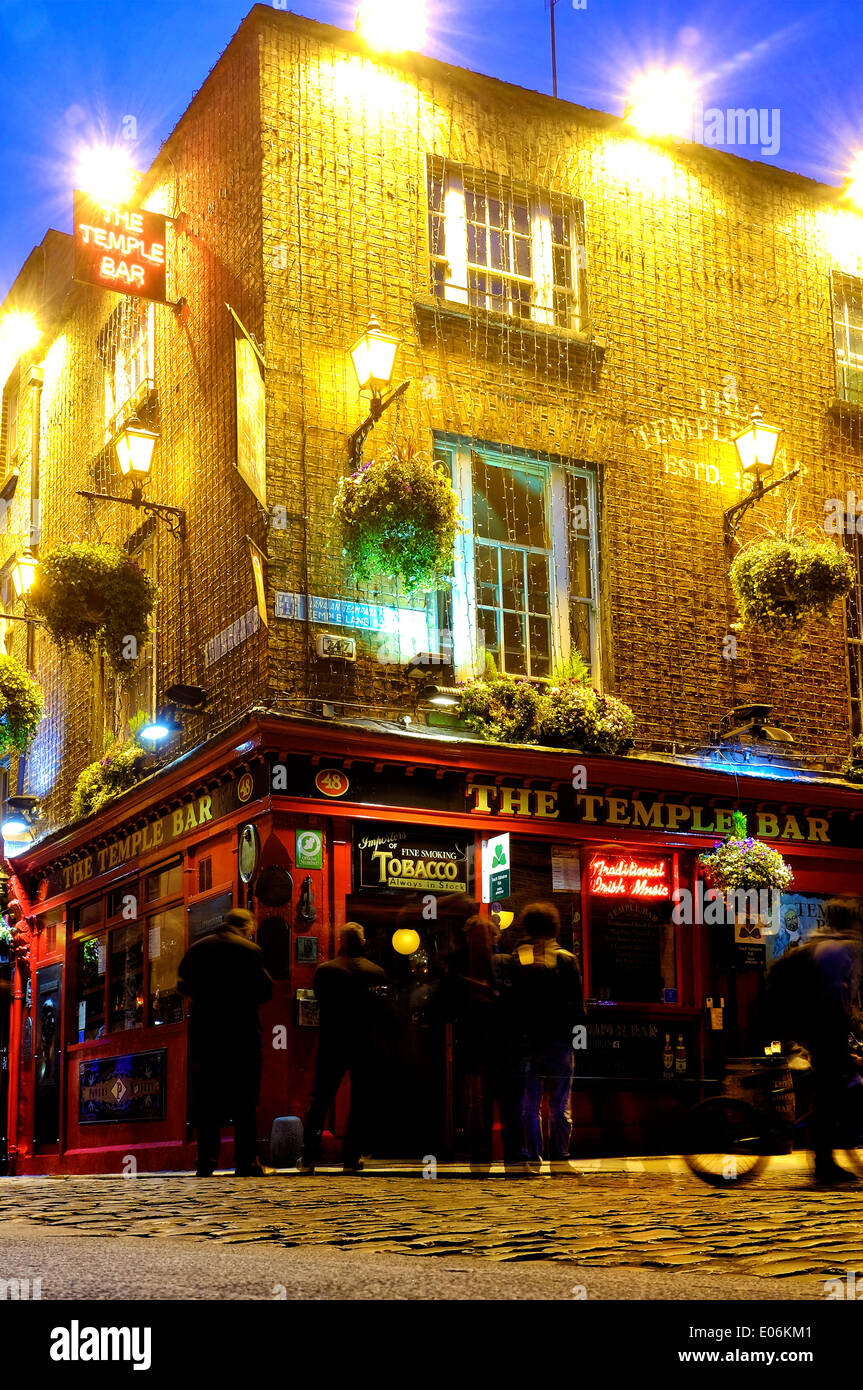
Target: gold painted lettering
pixel 644 818
pixel 191 819
pixel 768 825
pixel 618 810
pixel 675 813
pixel 817 829
pixel 589 802
pixel 546 805
pixel 697 825
pixel 205 809
pixel 724 822
pixel 481 794
pixel 791 830
pixel 507 794
pixel 177 823
pixel 158 833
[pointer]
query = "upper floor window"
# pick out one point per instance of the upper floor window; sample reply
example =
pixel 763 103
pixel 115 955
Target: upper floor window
pixel 11 457
pixel 127 349
pixel 524 590
pixel 509 248
pixel 848 337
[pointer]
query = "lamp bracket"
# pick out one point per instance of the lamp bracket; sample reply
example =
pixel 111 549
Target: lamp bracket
pixel 734 515
pixel 174 517
pixel 377 407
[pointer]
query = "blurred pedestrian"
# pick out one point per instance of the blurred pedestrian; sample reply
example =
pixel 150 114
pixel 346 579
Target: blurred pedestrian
pixel 352 1020
pixel 470 994
pixel 224 978
pixel 546 1004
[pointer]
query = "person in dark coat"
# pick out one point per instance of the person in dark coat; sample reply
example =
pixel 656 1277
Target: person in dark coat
pixel 223 976
pixel 824 1030
pixel 351 1020
pixel 468 999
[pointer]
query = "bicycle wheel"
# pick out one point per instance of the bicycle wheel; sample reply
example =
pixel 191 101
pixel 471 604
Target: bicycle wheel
pixel 724 1142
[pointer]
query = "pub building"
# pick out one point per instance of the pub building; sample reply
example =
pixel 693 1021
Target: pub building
pixel 388 829
pixel 578 323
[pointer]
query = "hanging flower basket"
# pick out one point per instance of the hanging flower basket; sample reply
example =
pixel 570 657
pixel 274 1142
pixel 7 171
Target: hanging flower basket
pixel 399 517
pixel 504 709
pixel 574 715
pixel 741 862
pixel 21 705
pixel 781 583
pixel 5 943
pixel 107 778
pixel 95 597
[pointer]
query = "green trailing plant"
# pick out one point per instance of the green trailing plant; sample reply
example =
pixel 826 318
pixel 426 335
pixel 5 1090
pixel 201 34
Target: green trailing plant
pixel 94 596
pixel 741 862
pixel 398 516
pixel 575 668
pixel 852 768
pixel 21 706
pixel 502 708
pixel 108 777
pixel 5 934
pixel 782 582
pixel 575 715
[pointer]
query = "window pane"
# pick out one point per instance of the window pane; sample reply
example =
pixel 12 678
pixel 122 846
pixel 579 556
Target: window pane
pixel 515 651
pixel 476 244
pixel 164 883
pixel 520 219
pixel 127 978
pixel 522 256
pixel 89 1019
pixel 89 915
pixel 537 584
pixel 489 636
pixel 579 576
pixel 540 646
pixel 487 591
pixel 165 947
pixel 580 629
pixel 512 573
pixel 499 258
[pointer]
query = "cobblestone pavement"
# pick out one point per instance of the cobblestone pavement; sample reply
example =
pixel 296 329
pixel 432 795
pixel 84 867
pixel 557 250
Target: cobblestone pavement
pixel 779 1227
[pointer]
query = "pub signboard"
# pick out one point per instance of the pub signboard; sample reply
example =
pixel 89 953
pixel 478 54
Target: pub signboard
pixel 120 248
pixel 406 857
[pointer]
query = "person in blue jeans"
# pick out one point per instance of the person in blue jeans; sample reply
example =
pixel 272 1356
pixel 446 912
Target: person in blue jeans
pixel 546 1003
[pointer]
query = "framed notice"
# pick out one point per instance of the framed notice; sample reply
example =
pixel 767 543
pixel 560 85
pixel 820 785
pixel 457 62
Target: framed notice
pixel 404 858
pixel 120 1089
pixel 251 419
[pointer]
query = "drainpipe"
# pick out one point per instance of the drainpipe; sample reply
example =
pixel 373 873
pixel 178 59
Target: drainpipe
pixel 35 381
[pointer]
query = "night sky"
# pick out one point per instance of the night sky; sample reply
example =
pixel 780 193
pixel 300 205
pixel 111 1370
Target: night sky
pixel 72 71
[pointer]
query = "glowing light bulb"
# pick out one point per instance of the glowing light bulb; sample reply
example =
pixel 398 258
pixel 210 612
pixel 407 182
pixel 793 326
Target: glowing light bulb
pixel 662 103
pixel 392 25
pixel 105 172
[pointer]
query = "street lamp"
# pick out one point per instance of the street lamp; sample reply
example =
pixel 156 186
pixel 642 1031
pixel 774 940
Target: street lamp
pixel 164 726
pixel 19 333
pixel 392 25
pixel 756 449
pixel 373 356
pixel 24 573
pixel 134 448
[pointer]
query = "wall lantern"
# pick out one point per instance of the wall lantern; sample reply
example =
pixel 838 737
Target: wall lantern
pixel 373 356
pixel 756 445
pixel 20 813
pixel 756 449
pixel 134 447
pixel 444 696
pixel 24 573
pixel 164 726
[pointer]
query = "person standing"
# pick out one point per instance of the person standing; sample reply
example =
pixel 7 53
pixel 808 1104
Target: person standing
pixel 826 1023
pixel 352 1016
pixel 546 1003
pixel 224 978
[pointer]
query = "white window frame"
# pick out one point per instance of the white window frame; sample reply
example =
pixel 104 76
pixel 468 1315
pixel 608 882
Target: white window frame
pixel 468 650
pixel 847 362
pixel 541 208
pixel 131 376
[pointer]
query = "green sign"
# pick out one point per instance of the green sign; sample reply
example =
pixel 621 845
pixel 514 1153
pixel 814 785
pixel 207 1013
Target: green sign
pixel 309 849
pixel 497 851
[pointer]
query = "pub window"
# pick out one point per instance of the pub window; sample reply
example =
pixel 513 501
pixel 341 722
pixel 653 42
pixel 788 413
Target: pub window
pixel 525 583
pixel 205 874
pixel 10 457
pixel 126 346
pixel 855 635
pixel 633 948
pixel 128 702
pixel 847 292
pixel 129 947
pixel 498 245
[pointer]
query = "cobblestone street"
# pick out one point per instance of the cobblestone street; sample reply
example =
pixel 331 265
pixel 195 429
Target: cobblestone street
pixel 779 1231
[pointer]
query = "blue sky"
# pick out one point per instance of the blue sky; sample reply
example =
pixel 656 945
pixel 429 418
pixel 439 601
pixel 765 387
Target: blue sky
pixel 71 70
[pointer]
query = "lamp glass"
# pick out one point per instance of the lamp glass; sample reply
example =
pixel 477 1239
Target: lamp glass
pixel 406 941
pixel 134 447
pixel 156 731
pixel 756 446
pixel 373 356
pixel 14 828
pixel 24 573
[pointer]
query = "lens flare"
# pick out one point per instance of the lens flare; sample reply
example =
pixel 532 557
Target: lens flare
pixel 392 25
pixel 662 103
pixel 105 172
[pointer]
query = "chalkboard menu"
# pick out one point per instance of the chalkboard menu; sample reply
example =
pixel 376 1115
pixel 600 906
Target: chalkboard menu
pixel 631 950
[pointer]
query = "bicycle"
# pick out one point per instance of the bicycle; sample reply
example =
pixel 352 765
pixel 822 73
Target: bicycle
pixel 728 1140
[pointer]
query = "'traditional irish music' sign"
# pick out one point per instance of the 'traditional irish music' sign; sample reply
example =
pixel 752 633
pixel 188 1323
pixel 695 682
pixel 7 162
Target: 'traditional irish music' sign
pixel 120 248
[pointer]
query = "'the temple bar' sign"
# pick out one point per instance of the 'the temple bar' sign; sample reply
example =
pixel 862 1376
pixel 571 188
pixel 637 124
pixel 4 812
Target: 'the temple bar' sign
pixel 120 248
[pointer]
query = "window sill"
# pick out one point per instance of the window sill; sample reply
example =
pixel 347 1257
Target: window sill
pixel 9 484
pixel 847 412
pixel 565 351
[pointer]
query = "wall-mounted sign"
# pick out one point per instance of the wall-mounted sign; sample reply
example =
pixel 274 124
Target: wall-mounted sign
pixel 249 852
pixel 112 1089
pixel 496 868
pixel 208 914
pixel 623 876
pixel 309 849
pixel 405 857
pixel 251 419
pixel 258 562
pixel 120 248
pixel 331 782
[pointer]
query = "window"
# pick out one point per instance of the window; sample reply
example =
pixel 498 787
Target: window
pixel 126 700
pixel 127 350
pixel 855 635
pixel 10 459
pixel 127 955
pixel 848 337
pixel 504 247
pixel 525 575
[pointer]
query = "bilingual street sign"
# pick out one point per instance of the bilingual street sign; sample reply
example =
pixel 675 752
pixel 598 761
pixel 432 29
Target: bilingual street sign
pixel 120 248
pixel 496 857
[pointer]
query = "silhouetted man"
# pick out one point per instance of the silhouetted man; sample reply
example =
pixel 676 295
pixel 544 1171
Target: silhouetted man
pixel 224 977
pixel 351 1015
